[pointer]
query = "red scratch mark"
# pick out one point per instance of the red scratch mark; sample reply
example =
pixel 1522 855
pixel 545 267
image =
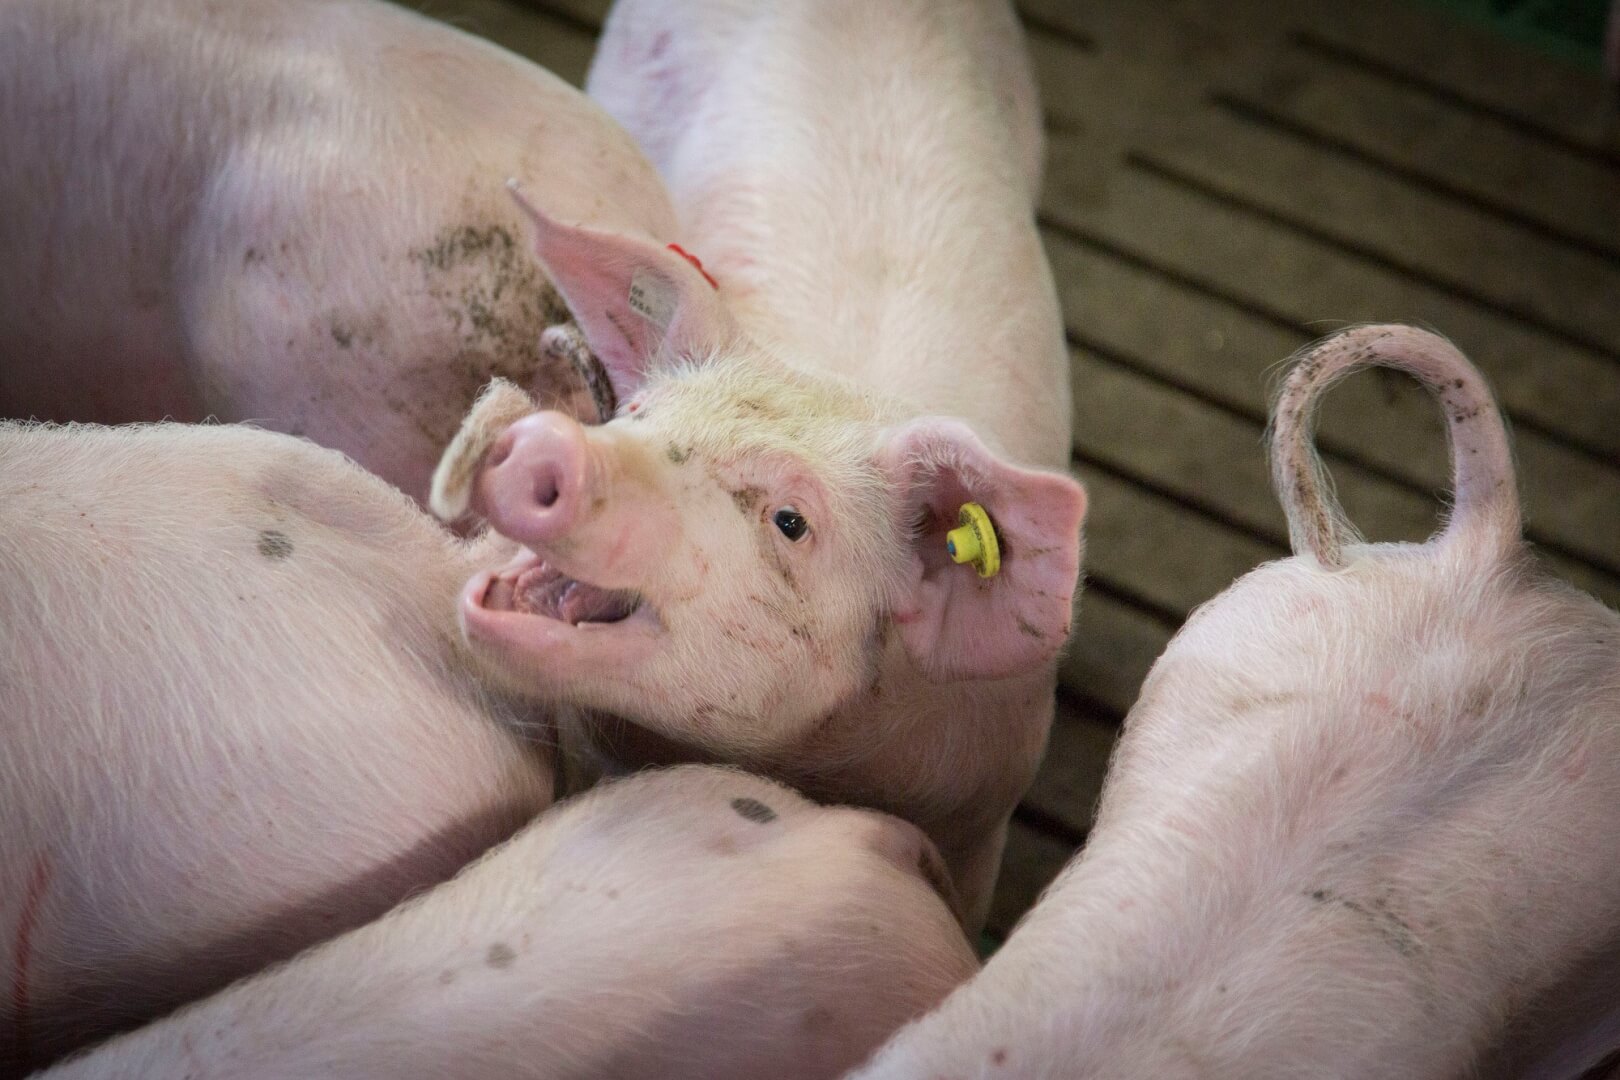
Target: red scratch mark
pixel 22 950
pixel 695 261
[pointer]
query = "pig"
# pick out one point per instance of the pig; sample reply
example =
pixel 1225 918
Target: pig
pixel 684 923
pixel 236 714
pixel 290 213
pixel 750 561
pixel 1361 821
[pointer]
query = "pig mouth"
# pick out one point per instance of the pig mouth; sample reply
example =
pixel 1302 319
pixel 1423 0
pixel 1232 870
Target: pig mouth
pixel 535 587
pixel 551 630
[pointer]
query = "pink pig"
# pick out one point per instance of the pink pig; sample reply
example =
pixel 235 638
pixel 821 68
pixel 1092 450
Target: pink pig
pixel 236 716
pixel 750 561
pixel 686 923
pixel 286 212
pixel 1362 822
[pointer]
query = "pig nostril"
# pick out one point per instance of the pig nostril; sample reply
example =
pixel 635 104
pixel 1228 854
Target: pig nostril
pixel 545 490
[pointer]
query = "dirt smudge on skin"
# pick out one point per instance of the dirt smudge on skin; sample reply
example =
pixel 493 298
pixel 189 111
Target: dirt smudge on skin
pixel 275 544
pixel 496 304
pixel 1383 922
pixel 500 955
pixel 747 500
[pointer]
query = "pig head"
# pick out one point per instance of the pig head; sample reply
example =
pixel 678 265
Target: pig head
pixel 1362 819
pixel 751 559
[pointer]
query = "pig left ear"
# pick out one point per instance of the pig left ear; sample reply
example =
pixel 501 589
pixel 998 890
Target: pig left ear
pixel 955 623
pixel 630 295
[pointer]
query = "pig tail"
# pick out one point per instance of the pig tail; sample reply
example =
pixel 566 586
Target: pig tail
pixel 1485 502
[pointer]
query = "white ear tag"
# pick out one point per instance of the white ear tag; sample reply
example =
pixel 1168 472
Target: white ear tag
pixel 653 297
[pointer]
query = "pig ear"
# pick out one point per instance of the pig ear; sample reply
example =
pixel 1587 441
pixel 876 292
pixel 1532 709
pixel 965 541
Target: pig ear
pixel 954 623
pixel 630 295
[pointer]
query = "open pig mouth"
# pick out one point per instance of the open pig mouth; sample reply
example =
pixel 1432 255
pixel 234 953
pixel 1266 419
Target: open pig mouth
pixel 535 587
pixel 557 628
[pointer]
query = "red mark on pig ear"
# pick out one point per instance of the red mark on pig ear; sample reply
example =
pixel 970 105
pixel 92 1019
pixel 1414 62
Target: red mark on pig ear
pixel 22 951
pixel 697 263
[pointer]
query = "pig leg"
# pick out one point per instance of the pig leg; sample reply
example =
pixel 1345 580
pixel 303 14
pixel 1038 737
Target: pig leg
pixel 691 922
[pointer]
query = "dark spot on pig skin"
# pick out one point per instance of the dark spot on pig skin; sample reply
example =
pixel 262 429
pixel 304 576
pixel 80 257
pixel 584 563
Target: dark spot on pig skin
pixel 998 1056
pixel 677 455
pixel 342 336
pixel 753 810
pixel 1031 631
pixel 500 955
pixel 747 500
pixel 1395 933
pixel 251 256
pixel 446 977
pixel 275 544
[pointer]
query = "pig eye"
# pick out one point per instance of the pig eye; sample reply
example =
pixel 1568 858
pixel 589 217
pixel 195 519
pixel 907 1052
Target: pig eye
pixel 791 523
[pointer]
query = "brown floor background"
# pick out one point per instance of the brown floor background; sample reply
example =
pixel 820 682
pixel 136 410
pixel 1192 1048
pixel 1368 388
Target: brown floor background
pixel 1227 180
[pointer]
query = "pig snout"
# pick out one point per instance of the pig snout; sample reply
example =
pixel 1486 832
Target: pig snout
pixel 533 480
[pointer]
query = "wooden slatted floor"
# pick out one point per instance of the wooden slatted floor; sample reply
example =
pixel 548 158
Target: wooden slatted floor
pixel 1229 179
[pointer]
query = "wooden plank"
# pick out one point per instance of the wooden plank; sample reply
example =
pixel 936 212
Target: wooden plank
pixel 1071 775
pixel 1495 82
pixel 1562 389
pixel 1503 83
pixel 1031 860
pixel 562 47
pixel 1347 109
pixel 1145 546
pixel 1230 356
pixel 1216 462
pixel 1113 646
pixel 585 13
pixel 1360 209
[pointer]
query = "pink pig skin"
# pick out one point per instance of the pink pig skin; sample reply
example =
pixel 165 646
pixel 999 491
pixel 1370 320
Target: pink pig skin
pixel 1362 821
pixel 286 212
pixel 764 521
pixel 236 718
pixel 685 924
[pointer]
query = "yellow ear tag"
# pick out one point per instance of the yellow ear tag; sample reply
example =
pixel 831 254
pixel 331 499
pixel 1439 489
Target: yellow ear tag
pixel 975 541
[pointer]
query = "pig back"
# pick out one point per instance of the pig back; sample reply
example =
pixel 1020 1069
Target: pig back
pixel 290 213
pixel 235 717
pixel 861 179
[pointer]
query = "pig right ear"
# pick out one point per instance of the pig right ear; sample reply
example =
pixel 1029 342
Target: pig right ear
pixel 630 296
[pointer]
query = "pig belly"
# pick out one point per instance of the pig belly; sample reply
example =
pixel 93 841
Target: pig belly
pixel 234 718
